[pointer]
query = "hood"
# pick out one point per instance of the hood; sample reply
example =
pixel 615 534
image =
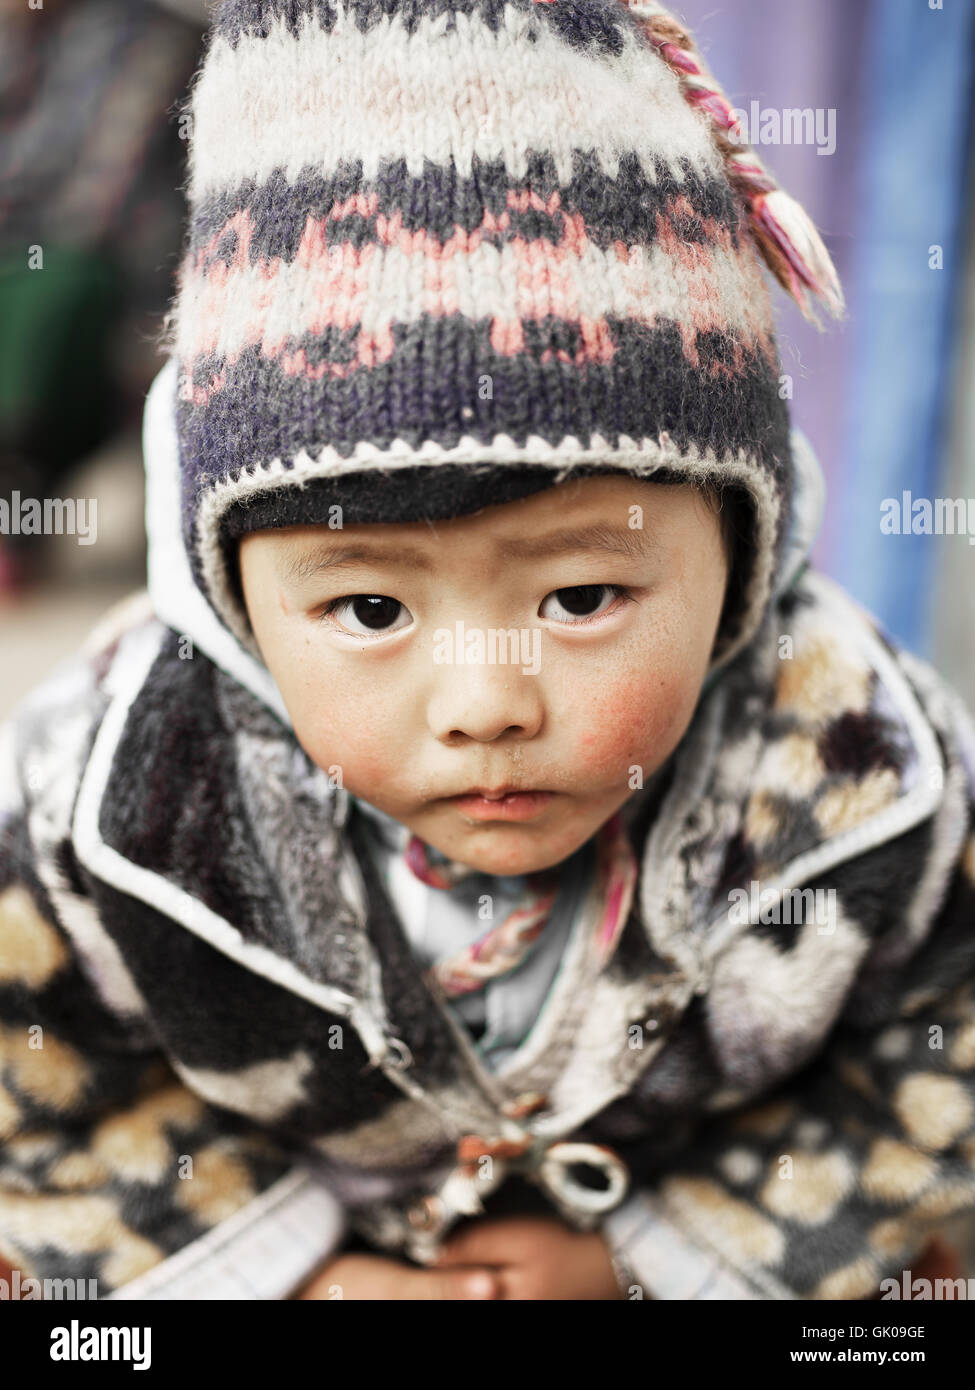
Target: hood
pixel 182 604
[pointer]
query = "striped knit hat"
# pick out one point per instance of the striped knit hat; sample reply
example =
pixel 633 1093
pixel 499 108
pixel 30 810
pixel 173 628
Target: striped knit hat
pixel 444 253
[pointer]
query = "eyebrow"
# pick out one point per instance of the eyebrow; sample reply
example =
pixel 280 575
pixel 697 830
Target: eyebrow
pixel 599 538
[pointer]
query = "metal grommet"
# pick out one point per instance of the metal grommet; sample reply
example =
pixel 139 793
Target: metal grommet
pixel 404 1058
pixel 561 1157
pixel 426 1213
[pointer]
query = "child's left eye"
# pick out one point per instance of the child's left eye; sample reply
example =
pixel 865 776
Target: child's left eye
pixel 583 600
pixel 375 611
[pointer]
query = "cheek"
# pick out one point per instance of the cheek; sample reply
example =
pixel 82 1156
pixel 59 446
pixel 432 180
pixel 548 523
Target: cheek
pixel 331 735
pixel 333 732
pixel 632 722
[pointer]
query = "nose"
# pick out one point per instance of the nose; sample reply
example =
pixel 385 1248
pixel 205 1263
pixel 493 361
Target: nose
pixel 483 701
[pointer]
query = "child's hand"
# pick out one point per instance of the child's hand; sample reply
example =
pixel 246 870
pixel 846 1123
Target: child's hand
pixel 535 1257
pixel 378 1277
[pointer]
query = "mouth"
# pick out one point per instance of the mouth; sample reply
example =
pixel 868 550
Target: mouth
pixel 501 803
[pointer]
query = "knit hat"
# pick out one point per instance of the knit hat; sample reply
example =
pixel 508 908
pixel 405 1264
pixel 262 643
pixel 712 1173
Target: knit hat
pixel 444 253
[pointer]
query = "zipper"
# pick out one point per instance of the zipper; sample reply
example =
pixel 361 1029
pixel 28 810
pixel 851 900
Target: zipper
pixel 485 1080
pixel 493 1089
pixel 361 1018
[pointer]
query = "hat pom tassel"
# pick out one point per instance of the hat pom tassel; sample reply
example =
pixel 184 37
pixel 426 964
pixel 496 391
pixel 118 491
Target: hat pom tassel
pixel 782 229
pixel 795 252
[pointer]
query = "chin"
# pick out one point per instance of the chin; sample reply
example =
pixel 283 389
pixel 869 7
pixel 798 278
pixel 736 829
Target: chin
pixel 515 858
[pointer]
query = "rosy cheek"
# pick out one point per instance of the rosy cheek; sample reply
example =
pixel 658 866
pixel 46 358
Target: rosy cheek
pixel 629 724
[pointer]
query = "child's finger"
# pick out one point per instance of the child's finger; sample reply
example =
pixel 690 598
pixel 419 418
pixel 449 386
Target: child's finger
pixel 476 1245
pixel 454 1284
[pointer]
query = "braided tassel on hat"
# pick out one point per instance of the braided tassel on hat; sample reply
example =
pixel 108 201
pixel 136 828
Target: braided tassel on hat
pixel 782 229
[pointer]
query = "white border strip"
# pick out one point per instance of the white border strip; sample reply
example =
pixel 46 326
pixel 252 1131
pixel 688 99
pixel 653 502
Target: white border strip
pixel 264 1251
pixel 447 90
pixel 665 1260
pixel 176 599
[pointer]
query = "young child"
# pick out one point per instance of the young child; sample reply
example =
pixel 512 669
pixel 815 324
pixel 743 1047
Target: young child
pixel 489 861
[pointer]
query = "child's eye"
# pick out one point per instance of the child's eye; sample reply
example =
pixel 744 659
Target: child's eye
pixel 376 613
pixel 584 600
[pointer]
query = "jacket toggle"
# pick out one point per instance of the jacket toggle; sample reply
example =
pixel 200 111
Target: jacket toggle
pixel 482 1165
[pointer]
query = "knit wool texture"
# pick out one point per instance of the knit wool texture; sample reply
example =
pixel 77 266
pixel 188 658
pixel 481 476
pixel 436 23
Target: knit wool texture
pixel 443 254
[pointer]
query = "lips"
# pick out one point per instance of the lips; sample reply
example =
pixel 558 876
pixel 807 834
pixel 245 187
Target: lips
pixel 499 804
pixel 498 793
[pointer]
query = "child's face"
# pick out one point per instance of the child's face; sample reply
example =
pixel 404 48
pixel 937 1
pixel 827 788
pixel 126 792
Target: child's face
pixel 392 688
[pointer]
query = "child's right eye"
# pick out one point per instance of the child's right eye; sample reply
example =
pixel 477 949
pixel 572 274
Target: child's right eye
pixel 375 611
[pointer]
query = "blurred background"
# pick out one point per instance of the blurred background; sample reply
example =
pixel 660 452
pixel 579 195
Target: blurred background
pixel 92 165
pixel 91 220
pixel 887 398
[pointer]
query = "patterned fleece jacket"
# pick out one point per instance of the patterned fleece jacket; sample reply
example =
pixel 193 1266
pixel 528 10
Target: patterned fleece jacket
pixel 219 1058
